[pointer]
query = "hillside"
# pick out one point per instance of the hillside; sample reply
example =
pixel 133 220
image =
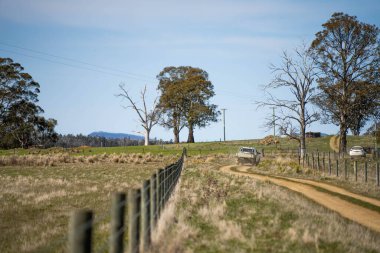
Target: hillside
pixel 116 135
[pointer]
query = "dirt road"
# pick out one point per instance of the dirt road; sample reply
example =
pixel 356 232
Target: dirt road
pixel 349 210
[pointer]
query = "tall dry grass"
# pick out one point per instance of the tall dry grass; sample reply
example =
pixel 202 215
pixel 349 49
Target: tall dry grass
pixel 215 212
pixel 61 158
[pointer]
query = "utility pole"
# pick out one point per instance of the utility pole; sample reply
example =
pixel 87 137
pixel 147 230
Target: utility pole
pixel 224 124
pixel 274 126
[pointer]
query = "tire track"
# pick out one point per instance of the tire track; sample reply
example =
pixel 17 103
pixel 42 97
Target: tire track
pixel 351 211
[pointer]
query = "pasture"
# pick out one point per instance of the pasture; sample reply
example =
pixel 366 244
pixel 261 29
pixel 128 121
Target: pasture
pixel 210 212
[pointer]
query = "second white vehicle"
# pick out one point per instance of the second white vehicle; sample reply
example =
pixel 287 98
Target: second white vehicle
pixel 357 151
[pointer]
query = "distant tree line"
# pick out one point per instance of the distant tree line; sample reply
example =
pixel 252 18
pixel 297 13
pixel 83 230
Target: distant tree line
pixel 70 141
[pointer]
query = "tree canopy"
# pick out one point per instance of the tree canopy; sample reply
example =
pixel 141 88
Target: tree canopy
pixel 347 52
pixel 185 99
pixel 21 123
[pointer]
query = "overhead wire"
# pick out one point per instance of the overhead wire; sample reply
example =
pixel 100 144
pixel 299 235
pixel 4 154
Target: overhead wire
pixel 95 67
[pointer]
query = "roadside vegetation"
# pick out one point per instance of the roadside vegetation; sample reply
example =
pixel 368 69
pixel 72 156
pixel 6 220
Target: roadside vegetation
pixel 36 201
pixel 215 212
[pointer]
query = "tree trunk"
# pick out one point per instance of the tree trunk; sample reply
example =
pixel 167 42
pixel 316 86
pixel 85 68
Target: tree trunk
pixel 190 138
pixel 302 142
pixel 303 130
pixel 342 139
pixel 176 134
pixel 146 135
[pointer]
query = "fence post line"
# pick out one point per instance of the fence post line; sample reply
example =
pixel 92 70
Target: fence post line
pixel 80 232
pixel 134 205
pixel 162 189
pixel 356 170
pixel 318 163
pixel 345 169
pixel 324 164
pixel 166 184
pixel 365 171
pixel 145 216
pixel 329 166
pixel 153 206
pixel 157 195
pixel 378 174
pixel 337 167
pixel 117 223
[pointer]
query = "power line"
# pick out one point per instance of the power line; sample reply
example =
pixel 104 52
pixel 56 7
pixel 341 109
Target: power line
pixel 98 68
pixel 129 74
pixel 73 66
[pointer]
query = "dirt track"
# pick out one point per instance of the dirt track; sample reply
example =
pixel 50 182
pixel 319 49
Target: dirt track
pixel 357 213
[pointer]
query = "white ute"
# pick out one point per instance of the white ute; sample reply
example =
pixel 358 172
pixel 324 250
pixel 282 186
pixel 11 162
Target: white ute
pixel 248 154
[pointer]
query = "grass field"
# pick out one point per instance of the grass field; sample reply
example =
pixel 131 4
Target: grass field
pixel 201 148
pixel 213 212
pixel 36 201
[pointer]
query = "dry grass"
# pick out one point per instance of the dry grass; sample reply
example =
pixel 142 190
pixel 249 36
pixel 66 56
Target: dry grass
pixel 36 201
pixel 63 158
pixel 216 212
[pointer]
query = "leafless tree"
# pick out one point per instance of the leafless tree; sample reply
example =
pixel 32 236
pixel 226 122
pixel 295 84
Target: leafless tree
pixel 295 74
pixel 147 118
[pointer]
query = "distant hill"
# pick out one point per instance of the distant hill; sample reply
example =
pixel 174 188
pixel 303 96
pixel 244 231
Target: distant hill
pixel 116 135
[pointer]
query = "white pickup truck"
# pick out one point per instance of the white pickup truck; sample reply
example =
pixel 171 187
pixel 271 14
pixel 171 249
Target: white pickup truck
pixel 248 155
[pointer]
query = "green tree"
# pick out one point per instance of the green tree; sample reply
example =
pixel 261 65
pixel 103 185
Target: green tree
pixel 347 53
pixel 20 120
pixel 185 99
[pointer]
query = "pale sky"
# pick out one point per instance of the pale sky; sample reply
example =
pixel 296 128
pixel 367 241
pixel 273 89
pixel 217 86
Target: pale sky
pixel 80 51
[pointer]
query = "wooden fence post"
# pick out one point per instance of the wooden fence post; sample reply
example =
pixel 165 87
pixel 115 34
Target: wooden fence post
pixel 378 174
pixel 145 216
pixel 324 164
pixel 337 167
pixel 262 152
pixel 134 209
pixel 356 170
pixel 365 171
pixel 80 232
pixel 117 223
pixel 153 202
pixel 159 192
pixel 329 166
pixel 345 169
pixel 318 163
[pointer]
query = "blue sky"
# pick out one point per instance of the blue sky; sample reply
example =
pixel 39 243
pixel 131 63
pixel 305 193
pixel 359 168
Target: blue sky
pixel 80 51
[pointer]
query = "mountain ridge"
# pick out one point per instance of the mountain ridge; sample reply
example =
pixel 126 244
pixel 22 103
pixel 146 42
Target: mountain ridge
pixel 109 135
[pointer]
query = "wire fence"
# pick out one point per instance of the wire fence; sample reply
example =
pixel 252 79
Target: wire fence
pixel 366 169
pixel 361 169
pixel 143 206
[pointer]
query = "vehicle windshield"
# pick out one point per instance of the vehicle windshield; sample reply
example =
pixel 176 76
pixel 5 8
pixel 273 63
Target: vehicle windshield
pixel 247 150
pixel 356 148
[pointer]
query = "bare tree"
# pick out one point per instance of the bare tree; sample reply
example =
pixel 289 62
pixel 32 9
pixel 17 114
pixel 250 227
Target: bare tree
pixel 296 74
pixel 147 118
